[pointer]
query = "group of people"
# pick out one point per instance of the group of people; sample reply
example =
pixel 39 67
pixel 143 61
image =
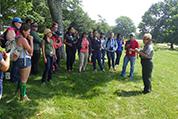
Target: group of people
pixel 92 48
pixel 24 47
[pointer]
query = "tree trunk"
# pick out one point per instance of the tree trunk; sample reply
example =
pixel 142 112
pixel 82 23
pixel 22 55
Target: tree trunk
pixel 55 7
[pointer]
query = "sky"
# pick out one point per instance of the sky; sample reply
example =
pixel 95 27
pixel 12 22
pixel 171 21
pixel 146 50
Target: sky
pixel 112 9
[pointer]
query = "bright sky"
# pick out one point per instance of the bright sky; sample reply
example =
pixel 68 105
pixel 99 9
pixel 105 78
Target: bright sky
pixel 112 9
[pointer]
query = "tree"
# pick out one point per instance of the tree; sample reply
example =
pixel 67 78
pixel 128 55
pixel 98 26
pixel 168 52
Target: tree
pixel 124 26
pixel 161 21
pixel 55 7
pixel 102 25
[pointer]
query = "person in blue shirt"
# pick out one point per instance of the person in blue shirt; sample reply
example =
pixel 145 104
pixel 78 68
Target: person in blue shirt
pixel 103 50
pixel 111 47
pixel 4 66
pixel 119 50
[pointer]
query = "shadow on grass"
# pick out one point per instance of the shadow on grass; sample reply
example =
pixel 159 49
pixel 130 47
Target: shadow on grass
pixel 85 85
pixel 137 78
pixel 123 93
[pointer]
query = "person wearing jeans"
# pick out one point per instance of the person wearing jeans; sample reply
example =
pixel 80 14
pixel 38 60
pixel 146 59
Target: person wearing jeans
pixel 11 33
pixel 96 51
pixel 71 41
pixel 111 47
pixel 83 46
pixel 130 47
pixel 132 63
pixel 48 54
pixel 103 50
pixel 120 43
pixel 5 63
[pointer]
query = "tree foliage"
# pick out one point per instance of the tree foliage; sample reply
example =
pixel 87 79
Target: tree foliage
pixel 124 26
pixel 162 21
pixel 66 12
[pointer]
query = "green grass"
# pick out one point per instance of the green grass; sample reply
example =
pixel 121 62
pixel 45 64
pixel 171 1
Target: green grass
pixel 99 95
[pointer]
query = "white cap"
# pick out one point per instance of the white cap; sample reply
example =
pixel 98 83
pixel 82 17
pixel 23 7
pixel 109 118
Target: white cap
pixel 132 34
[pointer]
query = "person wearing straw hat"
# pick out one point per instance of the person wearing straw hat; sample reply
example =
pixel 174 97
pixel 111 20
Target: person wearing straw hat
pixel 48 54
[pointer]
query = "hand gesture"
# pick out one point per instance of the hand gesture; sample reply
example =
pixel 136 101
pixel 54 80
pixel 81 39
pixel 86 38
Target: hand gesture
pixel 29 37
pixel 6 55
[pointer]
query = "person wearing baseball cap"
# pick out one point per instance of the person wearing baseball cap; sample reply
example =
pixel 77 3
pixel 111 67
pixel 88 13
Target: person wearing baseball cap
pixel 17 19
pixel 130 56
pixel 132 34
pixel 11 33
pixel 13 30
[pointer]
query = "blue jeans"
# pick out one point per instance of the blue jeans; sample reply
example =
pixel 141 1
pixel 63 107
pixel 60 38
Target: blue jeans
pixel 102 57
pixel 132 63
pixel 97 56
pixel 47 74
pixel 111 57
pixel 1 86
pixel 118 57
pixel 23 63
pixel 14 72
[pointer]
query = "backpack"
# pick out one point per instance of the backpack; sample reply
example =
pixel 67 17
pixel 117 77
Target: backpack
pixel 15 50
pixel 4 42
pixel 3 39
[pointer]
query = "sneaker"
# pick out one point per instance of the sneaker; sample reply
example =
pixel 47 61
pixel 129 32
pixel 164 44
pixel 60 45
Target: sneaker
pixel 0 97
pixel 95 70
pixel 69 71
pixel 25 98
pixel 122 75
pixel 131 77
pixel 145 92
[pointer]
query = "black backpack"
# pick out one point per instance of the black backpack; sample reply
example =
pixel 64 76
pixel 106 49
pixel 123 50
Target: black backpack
pixel 3 39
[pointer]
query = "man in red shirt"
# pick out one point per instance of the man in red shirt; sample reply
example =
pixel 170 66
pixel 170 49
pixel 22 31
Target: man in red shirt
pixel 57 43
pixel 130 47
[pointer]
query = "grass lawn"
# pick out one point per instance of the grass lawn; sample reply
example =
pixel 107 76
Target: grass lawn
pixel 99 95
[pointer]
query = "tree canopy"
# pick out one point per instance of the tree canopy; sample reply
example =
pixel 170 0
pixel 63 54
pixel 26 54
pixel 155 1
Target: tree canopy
pixel 162 21
pixel 66 12
pixel 124 26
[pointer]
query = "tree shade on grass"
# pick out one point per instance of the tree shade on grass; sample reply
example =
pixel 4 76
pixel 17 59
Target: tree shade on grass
pixel 100 95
